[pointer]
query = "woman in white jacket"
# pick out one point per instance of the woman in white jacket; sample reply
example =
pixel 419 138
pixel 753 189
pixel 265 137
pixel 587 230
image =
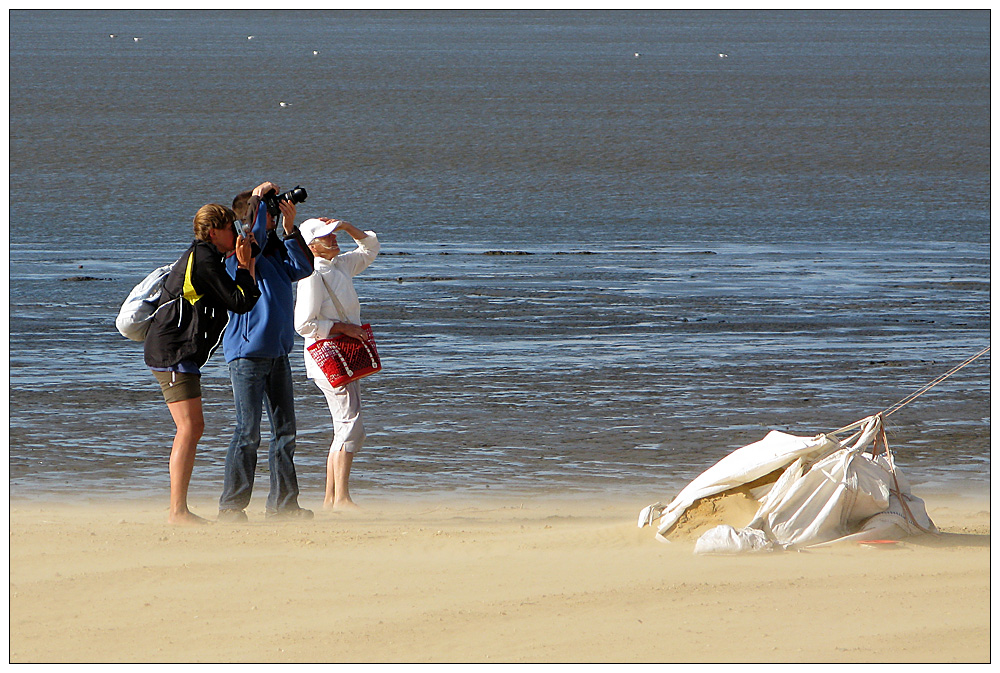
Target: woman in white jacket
pixel 327 304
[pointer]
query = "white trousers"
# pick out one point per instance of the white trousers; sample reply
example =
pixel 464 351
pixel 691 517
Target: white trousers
pixel 345 409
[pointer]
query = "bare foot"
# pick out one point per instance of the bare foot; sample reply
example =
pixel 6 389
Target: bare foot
pixel 340 505
pixel 185 519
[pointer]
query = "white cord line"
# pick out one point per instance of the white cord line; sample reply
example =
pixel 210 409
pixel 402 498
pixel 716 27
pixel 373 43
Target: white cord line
pixel 912 396
pixel 909 398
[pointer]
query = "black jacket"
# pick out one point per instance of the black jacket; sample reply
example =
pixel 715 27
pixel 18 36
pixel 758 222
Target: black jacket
pixel 194 307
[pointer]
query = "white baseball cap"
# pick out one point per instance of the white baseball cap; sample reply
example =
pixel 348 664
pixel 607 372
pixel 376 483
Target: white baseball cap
pixel 316 228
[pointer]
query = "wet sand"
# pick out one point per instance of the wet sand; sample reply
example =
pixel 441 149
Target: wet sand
pixel 540 579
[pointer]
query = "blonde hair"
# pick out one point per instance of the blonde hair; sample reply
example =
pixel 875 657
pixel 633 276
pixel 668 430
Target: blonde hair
pixel 212 216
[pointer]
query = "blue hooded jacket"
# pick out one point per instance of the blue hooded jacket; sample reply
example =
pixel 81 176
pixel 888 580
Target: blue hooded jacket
pixel 267 330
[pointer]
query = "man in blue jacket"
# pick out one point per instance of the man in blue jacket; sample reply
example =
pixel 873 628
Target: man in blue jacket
pixel 256 345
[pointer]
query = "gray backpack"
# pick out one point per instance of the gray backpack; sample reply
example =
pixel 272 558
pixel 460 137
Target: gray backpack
pixel 140 306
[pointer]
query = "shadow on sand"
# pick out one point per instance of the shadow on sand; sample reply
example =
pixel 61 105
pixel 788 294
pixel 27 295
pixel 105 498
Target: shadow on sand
pixel 950 540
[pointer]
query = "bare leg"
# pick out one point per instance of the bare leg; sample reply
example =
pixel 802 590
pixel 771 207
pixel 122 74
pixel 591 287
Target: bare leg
pixel 338 472
pixel 190 422
pixel 331 481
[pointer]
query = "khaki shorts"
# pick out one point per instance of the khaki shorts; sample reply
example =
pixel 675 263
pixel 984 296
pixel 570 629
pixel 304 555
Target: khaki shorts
pixel 345 408
pixel 178 386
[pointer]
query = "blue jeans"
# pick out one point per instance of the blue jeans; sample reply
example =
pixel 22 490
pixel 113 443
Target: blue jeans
pixel 256 382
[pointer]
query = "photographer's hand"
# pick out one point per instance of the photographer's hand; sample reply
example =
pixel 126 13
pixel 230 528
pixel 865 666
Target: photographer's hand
pixel 287 215
pixel 264 188
pixel 244 254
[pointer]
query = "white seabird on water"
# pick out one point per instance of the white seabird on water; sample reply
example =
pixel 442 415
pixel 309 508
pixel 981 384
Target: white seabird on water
pixel 112 36
pixel 723 55
pixel 284 104
pixel 315 52
pixel 637 54
pixel 136 39
pixel 250 37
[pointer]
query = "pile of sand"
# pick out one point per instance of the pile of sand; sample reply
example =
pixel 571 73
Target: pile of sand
pixel 735 508
pixel 534 580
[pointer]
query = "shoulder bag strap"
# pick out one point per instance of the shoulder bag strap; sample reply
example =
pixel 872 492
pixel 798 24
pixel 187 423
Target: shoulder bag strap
pixel 333 295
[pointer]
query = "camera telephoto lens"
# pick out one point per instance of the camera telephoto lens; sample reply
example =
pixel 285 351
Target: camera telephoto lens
pixel 296 195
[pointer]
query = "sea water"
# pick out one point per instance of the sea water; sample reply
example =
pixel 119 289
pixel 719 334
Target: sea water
pixel 615 245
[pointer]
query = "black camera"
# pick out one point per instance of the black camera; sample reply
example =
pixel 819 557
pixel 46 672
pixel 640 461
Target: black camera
pixel 271 200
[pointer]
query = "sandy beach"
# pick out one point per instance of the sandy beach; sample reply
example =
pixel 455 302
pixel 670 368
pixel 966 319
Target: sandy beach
pixel 539 579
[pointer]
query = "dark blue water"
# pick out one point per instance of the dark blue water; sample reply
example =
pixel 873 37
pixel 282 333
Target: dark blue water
pixel 599 270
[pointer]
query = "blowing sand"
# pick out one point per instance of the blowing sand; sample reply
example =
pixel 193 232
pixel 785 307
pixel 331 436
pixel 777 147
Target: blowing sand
pixel 479 580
